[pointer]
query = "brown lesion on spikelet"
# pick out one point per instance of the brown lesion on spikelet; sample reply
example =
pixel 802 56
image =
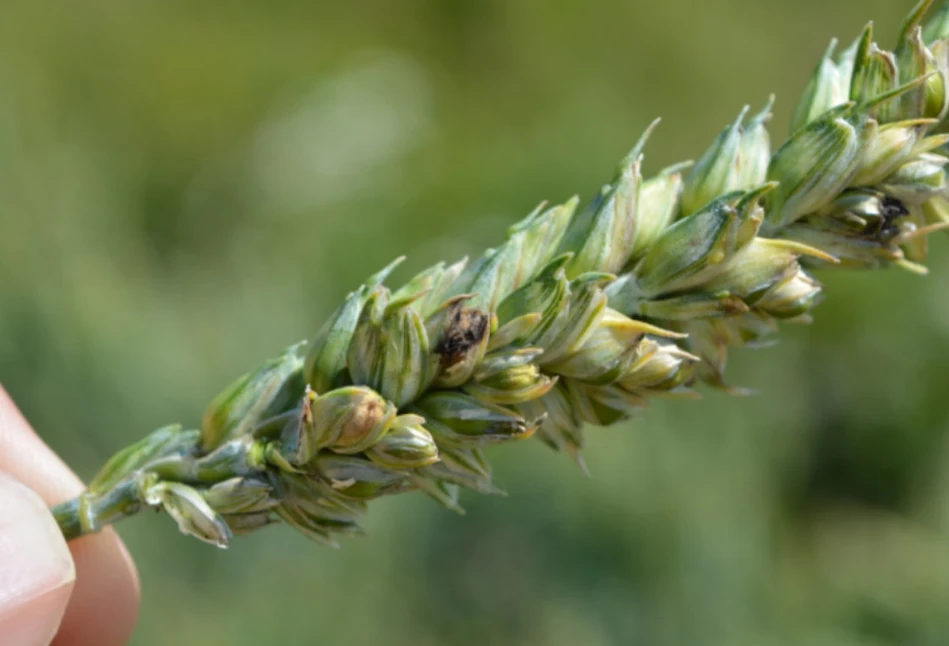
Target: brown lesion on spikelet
pixel 466 329
pixel 361 420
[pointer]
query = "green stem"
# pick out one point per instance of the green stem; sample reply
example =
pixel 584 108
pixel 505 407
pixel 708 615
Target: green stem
pixel 89 512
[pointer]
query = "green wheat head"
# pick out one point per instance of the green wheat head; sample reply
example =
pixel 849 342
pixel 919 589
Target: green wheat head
pixel 579 318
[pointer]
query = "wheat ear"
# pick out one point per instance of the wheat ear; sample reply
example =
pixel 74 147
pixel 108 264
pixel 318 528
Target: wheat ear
pixel 577 319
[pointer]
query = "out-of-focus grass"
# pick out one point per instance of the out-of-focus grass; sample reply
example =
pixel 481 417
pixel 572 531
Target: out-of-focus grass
pixel 187 188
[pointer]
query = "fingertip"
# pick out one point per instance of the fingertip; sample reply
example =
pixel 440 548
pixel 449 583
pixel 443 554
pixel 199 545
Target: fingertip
pixel 104 606
pixel 34 623
pixel 36 569
pixel 25 456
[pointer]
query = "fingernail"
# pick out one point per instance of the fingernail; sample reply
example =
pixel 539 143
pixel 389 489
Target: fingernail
pixel 36 568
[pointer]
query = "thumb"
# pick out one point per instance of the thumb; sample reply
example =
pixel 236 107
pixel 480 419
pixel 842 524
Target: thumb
pixel 36 568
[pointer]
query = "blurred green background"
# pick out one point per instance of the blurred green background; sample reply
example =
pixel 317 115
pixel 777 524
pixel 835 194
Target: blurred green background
pixel 186 188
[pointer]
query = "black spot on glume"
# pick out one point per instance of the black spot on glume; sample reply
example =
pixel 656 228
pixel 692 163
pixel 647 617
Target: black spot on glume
pixel 891 208
pixel 466 329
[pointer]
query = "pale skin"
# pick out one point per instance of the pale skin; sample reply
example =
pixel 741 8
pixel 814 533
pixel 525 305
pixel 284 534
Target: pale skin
pixel 85 593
